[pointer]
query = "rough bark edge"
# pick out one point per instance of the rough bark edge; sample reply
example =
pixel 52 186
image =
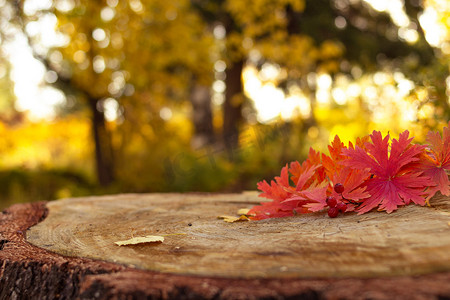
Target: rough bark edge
pixel 29 272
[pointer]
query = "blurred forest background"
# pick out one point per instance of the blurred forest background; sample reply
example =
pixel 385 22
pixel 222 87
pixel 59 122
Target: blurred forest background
pixel 206 95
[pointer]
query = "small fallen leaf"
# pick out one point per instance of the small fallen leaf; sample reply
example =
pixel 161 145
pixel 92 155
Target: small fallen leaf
pixel 141 240
pixel 243 211
pixel 231 219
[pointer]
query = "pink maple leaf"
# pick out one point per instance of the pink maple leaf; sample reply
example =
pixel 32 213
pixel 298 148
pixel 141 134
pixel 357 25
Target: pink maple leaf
pixel 353 181
pixel 393 183
pixel 311 199
pixel 435 162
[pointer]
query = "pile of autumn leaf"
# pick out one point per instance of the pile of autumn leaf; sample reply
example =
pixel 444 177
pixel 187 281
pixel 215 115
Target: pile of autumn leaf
pixel 373 173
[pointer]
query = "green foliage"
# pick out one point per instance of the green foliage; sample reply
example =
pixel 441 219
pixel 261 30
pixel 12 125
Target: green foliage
pixel 21 185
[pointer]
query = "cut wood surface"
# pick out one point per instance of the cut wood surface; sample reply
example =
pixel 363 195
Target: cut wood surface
pixel 411 241
pixel 32 272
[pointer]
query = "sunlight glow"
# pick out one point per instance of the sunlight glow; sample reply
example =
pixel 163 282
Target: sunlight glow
pixel 99 64
pixel 136 6
pixel 112 3
pixel 353 90
pixel 220 66
pixel 28 74
pixel 107 14
pixel 323 96
pixel 30 7
pixel 269 72
pixel 435 31
pixel 64 5
pixel 219 86
pixel 324 81
pixel 386 95
pixel 219 32
pixel 323 92
pixel 98 34
pixel 165 113
pixel 111 109
pixel 396 10
pixel 44 30
pixel 296 105
pixel 270 101
pixel 339 96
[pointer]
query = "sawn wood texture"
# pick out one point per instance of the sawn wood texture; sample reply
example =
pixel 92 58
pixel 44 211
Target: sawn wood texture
pixel 70 251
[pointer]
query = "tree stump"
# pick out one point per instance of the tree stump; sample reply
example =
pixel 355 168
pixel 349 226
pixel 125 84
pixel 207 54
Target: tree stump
pixel 65 249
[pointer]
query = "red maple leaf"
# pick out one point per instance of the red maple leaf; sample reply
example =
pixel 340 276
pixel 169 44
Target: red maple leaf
pixel 309 198
pixel 277 190
pixel 312 162
pixel 360 142
pixel 332 163
pixel 393 182
pixel 353 181
pixel 337 172
pixel 288 200
pixel 268 210
pixel 435 162
pixel 335 149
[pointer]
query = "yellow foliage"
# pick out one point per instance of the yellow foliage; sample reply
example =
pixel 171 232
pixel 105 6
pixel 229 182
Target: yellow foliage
pixel 47 144
pixel 331 49
pixel 160 48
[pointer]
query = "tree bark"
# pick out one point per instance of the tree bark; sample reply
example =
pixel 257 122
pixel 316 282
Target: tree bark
pixel 202 117
pixel 234 97
pixel 34 272
pixel 104 160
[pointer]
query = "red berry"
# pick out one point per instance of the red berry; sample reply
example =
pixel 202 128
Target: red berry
pixel 339 188
pixel 333 212
pixel 341 206
pixel 331 201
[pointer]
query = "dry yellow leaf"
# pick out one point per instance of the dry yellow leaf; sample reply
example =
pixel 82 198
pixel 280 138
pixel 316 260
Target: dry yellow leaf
pixel 243 211
pixel 231 219
pixel 141 240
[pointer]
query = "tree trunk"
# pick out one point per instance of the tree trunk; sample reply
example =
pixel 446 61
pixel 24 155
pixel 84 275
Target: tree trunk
pixel 202 116
pixel 104 160
pixel 71 253
pixel 234 97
